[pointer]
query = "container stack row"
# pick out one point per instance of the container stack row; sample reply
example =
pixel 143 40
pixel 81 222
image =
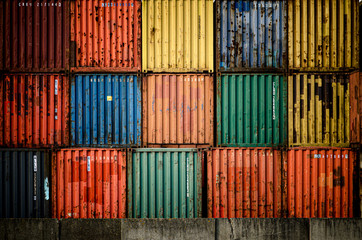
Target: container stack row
pixel 167 109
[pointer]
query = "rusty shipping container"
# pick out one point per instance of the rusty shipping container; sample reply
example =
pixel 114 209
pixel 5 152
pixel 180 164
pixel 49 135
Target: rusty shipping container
pixel 251 110
pixel 105 110
pixel 251 35
pixel 34 110
pixel 323 35
pixel 89 183
pixel 244 183
pixel 319 182
pixel 177 36
pixel 178 109
pixel 34 35
pixel 105 36
pixel 356 107
pixel 319 110
pixel 24 183
pixel 164 183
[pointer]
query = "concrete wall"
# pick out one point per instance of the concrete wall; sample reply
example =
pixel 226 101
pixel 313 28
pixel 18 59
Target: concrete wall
pixel 199 229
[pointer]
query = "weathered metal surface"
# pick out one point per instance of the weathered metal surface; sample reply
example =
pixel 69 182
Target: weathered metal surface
pixel 105 110
pixel 355 83
pixel 24 183
pixel 89 183
pixel 318 182
pixel 178 109
pixel 251 110
pixel 177 36
pixel 319 110
pixel 34 35
pixel 34 110
pixel 244 183
pixel 251 35
pixel 164 183
pixel 106 35
pixel 323 35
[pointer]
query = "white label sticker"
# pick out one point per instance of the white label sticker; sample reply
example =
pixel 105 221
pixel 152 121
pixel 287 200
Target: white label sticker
pixel 46 189
pixel 88 164
pixel 35 164
pixel 109 98
pixel 34 198
pixel 274 100
pixel 56 87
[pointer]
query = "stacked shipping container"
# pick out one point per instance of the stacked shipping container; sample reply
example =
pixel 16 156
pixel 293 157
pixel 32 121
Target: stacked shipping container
pixel 270 132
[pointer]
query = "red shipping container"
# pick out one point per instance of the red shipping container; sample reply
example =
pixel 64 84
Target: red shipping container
pixel 355 85
pixel 244 183
pixel 34 35
pixel 34 110
pixel 105 35
pixel 178 110
pixel 318 182
pixel 89 183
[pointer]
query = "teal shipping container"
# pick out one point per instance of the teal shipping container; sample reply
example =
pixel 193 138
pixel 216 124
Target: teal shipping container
pixel 251 110
pixel 164 183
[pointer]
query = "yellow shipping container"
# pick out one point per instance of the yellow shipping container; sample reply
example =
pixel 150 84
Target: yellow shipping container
pixel 323 35
pixel 318 110
pixel 177 36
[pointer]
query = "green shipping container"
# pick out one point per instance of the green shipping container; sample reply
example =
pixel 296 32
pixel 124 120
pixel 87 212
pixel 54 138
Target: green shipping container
pixel 251 110
pixel 164 183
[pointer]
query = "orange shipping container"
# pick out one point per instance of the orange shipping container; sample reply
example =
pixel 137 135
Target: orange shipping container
pixel 355 85
pixel 318 182
pixel 244 183
pixel 89 183
pixel 178 109
pixel 34 110
pixel 105 36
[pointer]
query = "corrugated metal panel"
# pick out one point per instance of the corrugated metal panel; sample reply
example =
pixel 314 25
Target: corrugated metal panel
pixel 251 35
pixel 89 183
pixel 177 36
pixel 24 183
pixel 106 35
pixel 244 183
pixel 164 183
pixel 251 110
pixel 105 110
pixel 356 107
pixel 34 35
pixel 323 35
pixel 318 183
pixel 178 109
pixel 34 110
pixel 318 110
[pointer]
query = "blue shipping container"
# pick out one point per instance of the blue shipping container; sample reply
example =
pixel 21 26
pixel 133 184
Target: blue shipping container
pixel 105 110
pixel 251 35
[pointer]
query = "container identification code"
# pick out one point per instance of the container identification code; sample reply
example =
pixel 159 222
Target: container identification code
pixel 88 164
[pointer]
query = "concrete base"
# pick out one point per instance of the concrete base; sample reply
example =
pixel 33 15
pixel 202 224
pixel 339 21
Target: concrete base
pixel 199 229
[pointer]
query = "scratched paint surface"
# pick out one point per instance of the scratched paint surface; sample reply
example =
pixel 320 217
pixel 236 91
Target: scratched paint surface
pixel 34 35
pixel 89 183
pixel 323 35
pixel 178 109
pixel 251 35
pixel 319 110
pixel 318 182
pixel 356 107
pixel 251 110
pixel 177 36
pixel 23 189
pixel 34 110
pixel 105 110
pixel 164 183
pixel 106 35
